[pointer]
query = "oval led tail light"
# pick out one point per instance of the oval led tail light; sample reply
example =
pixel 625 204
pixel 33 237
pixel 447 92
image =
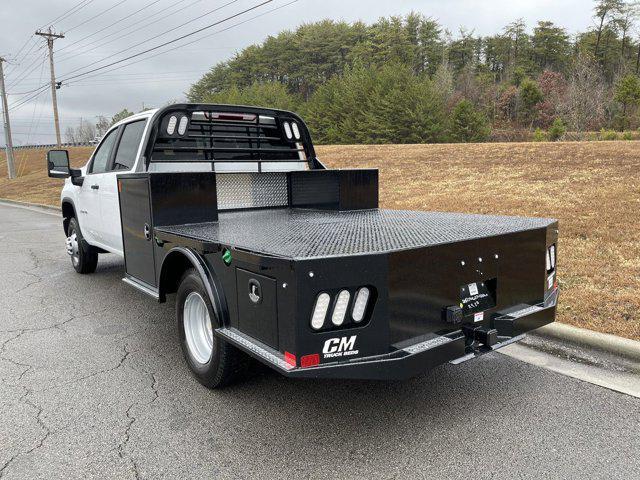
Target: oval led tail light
pixel 320 311
pixel 296 130
pixel 287 130
pixel 548 261
pixel 171 126
pixel 182 127
pixel 340 309
pixel 360 305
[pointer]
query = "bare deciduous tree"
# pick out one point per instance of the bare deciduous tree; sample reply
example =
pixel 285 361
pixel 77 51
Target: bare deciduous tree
pixel 70 135
pixel 584 104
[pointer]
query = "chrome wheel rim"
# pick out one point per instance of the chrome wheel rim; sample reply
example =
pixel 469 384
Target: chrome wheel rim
pixel 72 248
pixel 198 330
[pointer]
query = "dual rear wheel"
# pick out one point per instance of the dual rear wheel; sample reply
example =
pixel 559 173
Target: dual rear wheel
pixel 214 362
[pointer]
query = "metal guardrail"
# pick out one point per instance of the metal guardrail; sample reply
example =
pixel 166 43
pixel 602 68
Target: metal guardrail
pixel 53 145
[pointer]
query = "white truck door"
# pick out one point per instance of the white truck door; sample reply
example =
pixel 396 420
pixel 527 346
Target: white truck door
pixel 124 159
pixel 89 197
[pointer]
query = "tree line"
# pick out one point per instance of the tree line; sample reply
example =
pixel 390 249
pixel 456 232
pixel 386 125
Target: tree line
pixel 407 79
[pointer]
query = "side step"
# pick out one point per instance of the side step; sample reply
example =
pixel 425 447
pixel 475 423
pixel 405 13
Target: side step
pixel 142 286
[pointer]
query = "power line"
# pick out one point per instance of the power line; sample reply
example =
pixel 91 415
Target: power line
pixel 130 47
pixel 198 39
pixel 109 26
pixel 22 165
pixel 17 55
pixel 28 70
pixel 68 13
pixel 168 42
pixel 135 25
pixel 21 102
pixel 95 16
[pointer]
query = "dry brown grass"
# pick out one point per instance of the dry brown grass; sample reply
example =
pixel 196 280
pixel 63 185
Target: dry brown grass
pixel 592 188
pixel 32 184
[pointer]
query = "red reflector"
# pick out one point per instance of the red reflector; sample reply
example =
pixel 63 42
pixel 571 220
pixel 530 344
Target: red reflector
pixel 290 358
pixel 310 360
pixel 555 284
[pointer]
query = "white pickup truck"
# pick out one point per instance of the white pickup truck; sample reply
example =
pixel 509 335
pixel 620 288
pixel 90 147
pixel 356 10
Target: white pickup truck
pixel 273 256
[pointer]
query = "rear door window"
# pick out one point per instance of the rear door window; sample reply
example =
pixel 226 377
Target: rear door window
pixel 128 146
pixel 101 157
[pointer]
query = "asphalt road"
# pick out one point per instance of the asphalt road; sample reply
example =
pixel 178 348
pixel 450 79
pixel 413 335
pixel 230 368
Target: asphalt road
pixel 93 385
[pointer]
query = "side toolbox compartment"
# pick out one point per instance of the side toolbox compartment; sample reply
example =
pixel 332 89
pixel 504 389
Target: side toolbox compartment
pixel 149 200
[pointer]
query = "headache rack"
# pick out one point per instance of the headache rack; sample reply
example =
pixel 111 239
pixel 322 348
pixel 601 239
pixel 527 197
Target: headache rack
pixel 223 134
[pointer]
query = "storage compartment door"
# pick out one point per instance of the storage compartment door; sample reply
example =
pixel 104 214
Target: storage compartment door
pixel 137 230
pixel 257 307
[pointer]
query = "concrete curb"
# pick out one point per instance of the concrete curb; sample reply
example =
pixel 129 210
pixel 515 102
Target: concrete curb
pixel 622 347
pixel 30 205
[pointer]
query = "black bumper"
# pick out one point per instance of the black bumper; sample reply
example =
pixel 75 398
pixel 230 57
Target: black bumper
pixel 412 359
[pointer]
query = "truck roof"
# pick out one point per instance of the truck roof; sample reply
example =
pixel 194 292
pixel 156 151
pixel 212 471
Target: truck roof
pixel 304 234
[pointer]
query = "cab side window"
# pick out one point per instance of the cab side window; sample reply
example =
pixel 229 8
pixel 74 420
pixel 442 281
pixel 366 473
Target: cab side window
pixel 101 157
pixel 128 146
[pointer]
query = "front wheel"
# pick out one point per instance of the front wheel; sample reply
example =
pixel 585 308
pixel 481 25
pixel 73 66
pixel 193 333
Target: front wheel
pixel 214 362
pixel 83 257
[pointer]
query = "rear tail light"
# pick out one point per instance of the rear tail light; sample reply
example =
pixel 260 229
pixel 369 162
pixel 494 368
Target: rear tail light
pixel 340 309
pixel 360 305
pixel 171 126
pixel 287 130
pixel 182 126
pixel 320 311
pixel 296 130
pixel 550 258
pixel 346 313
pixel 548 261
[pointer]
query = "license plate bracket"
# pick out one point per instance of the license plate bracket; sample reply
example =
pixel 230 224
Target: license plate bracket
pixel 478 296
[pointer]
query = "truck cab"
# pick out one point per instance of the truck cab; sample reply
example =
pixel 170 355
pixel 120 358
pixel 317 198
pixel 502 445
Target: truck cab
pixel 92 195
pixel 274 257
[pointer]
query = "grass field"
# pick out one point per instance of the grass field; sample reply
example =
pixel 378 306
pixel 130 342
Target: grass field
pixel 593 188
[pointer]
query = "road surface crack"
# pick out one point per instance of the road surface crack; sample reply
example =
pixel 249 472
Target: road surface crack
pixel 122 453
pixel 40 442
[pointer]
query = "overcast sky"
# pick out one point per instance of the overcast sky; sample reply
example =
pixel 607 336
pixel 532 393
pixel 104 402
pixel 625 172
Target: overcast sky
pixel 160 78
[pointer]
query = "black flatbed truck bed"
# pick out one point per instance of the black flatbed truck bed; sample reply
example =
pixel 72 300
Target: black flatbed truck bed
pixel 302 268
pixel 306 234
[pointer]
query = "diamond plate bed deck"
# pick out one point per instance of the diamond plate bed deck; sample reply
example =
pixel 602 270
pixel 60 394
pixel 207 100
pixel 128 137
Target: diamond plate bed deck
pixel 303 234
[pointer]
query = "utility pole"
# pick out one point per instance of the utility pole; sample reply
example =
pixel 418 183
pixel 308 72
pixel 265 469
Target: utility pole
pixel 11 170
pixel 51 36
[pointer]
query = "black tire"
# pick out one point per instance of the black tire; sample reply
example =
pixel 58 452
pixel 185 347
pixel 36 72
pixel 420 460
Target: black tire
pixel 86 260
pixel 227 364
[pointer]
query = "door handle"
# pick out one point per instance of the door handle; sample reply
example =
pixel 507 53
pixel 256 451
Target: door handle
pixel 95 187
pixel 147 231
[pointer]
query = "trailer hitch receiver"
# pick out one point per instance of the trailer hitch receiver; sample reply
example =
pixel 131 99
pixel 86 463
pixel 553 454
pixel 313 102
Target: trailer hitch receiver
pixel 484 335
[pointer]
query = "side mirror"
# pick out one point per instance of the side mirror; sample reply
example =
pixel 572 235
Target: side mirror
pixel 58 164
